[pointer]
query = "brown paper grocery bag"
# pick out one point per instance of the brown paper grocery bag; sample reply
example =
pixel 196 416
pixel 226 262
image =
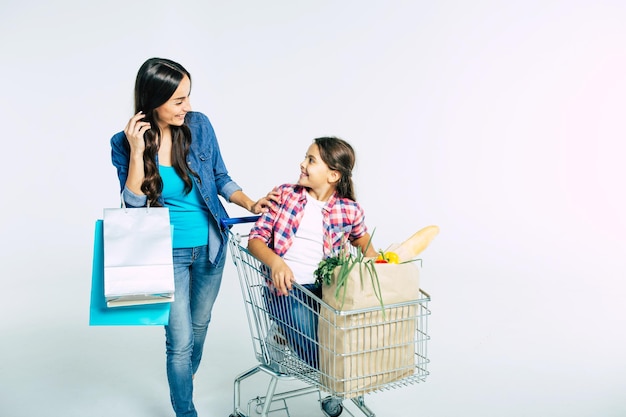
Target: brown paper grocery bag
pixel 362 348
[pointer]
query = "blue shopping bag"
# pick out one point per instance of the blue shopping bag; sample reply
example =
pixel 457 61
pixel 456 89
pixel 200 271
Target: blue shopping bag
pixel 101 315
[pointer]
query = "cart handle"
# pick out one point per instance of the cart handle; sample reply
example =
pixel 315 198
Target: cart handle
pixel 238 220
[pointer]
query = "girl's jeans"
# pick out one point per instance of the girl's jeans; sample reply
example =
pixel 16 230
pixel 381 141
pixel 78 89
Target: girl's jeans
pixel 197 283
pixel 297 316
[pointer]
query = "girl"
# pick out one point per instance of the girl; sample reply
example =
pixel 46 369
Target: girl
pixel 168 156
pixel 311 221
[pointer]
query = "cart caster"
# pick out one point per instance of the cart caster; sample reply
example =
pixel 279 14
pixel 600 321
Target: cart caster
pixel 331 406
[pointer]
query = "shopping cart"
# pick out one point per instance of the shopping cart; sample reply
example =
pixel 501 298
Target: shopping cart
pixel 342 357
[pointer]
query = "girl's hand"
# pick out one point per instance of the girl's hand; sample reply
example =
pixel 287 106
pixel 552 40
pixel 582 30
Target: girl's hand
pixel 134 131
pixel 282 276
pixel 265 203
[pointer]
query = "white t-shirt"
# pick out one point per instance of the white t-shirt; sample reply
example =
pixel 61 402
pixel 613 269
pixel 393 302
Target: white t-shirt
pixel 307 249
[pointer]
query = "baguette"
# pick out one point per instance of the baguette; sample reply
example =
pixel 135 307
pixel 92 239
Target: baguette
pixel 416 244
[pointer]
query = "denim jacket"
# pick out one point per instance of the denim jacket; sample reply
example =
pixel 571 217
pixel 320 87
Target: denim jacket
pixel 206 160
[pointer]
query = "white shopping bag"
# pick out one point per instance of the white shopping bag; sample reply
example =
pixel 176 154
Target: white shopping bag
pixel 138 265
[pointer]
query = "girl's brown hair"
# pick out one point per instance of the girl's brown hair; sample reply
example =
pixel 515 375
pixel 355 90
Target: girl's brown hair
pixel 339 156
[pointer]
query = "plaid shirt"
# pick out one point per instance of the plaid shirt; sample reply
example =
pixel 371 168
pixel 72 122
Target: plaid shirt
pixel 343 219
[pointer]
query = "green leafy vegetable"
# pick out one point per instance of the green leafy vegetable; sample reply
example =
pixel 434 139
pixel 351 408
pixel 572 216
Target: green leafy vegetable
pixel 346 260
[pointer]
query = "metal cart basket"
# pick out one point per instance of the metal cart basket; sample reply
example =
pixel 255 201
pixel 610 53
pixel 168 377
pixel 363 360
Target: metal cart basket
pixel 349 353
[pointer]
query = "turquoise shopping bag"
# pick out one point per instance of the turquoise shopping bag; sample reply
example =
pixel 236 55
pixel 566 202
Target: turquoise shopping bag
pixel 101 315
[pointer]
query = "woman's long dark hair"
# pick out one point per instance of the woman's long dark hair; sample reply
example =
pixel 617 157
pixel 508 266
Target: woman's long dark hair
pixel 339 156
pixel 156 82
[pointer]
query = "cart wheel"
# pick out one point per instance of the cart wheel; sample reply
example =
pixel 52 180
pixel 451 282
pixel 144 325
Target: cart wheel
pixel 331 406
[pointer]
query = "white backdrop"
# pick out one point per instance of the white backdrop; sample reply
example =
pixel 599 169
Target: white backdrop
pixel 501 122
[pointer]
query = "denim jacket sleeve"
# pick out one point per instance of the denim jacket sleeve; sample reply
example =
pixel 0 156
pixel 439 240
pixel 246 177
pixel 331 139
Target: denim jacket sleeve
pixel 206 160
pixel 120 156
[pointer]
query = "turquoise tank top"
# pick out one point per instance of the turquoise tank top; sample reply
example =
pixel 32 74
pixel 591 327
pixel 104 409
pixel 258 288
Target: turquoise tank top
pixel 188 213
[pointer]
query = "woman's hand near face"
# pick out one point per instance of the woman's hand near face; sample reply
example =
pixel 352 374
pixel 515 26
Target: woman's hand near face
pixel 134 130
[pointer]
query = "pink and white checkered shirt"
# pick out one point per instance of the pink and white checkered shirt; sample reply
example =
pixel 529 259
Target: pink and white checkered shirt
pixel 344 221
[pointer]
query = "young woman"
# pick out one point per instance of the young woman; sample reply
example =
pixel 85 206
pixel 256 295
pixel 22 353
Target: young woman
pixel 168 156
pixel 313 220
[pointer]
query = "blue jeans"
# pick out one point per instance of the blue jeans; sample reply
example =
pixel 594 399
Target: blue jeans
pixel 197 283
pixel 297 316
